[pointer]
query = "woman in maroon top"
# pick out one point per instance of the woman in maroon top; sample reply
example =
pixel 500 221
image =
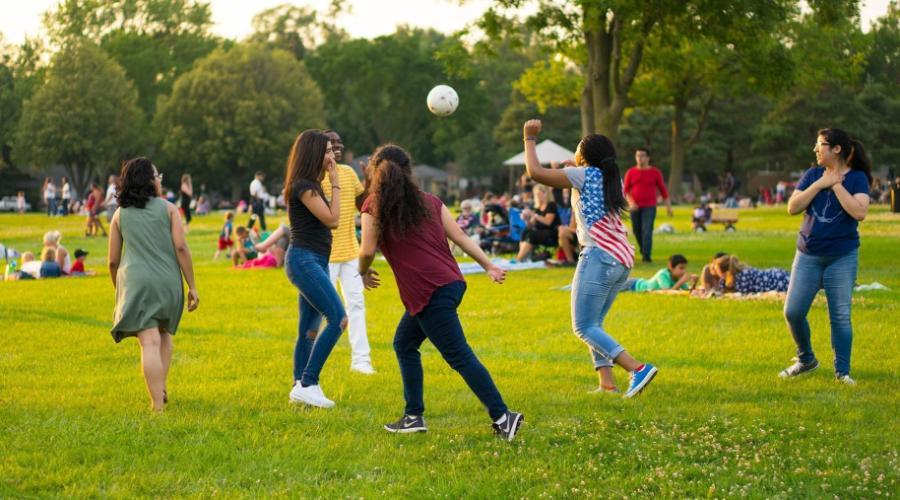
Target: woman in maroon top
pixel 411 229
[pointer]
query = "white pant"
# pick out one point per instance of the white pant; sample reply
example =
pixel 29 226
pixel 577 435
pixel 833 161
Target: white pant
pixel 354 303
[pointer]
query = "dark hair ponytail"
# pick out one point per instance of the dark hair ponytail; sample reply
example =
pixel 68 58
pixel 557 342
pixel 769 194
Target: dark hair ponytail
pixel 852 151
pixel 597 150
pixel 397 202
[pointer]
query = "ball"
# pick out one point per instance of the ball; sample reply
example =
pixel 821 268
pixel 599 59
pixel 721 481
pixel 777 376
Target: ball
pixel 442 100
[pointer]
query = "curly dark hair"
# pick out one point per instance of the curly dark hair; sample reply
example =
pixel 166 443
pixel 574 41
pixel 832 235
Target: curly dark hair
pixel 136 184
pixel 598 151
pixel 397 202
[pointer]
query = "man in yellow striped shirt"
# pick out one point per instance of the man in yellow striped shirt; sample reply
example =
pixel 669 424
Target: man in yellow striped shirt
pixel 344 265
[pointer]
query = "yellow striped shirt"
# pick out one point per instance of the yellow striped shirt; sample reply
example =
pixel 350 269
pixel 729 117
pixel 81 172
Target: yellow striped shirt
pixel 344 245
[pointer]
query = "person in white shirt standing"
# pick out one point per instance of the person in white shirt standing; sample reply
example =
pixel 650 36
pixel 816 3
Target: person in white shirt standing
pixel 343 264
pixel 110 201
pixel 66 195
pixel 258 197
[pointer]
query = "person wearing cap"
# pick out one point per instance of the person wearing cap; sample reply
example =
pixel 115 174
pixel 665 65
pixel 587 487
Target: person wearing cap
pixel 78 265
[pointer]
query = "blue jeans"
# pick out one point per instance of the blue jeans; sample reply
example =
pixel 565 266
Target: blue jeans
pixel 642 221
pixel 439 323
pixel 836 275
pixel 598 279
pixel 308 271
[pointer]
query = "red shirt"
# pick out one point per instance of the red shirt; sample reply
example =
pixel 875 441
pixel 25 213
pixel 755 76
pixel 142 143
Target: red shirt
pixel 642 184
pixel 421 259
pixel 77 267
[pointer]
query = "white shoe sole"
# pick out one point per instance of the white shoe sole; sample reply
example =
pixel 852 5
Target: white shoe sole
pixel 316 403
pixel 406 431
pixel 364 370
pixel 637 390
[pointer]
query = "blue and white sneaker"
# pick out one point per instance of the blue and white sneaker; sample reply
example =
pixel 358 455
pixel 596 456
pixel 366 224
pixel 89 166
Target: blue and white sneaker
pixel 640 379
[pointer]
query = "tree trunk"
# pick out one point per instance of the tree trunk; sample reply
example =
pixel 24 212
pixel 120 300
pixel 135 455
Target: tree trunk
pixel 80 178
pixel 587 110
pixel 236 186
pixel 676 171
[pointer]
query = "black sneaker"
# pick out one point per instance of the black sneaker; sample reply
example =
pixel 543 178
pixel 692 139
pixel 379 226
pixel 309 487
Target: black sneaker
pixel 407 424
pixel 510 425
pixel 798 368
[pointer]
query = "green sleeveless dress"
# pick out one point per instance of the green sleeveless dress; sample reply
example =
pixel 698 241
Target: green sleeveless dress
pixel 149 290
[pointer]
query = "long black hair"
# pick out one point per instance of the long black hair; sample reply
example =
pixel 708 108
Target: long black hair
pixel 852 151
pixel 136 183
pixel 305 163
pixel 397 202
pixel 597 151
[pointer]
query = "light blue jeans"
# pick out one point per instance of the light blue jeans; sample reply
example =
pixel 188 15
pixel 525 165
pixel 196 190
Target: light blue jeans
pixel 809 274
pixel 598 279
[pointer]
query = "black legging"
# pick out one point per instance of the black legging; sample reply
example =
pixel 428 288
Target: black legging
pixel 186 207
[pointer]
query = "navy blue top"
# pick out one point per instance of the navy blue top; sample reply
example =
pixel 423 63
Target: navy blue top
pixel 827 229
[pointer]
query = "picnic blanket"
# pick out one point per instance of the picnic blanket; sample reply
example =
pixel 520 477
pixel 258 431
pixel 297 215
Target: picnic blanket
pixel 474 268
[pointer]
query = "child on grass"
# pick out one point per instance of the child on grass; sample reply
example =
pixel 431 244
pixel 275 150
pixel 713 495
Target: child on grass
pixel 225 241
pixel 673 277
pixel 245 249
pixel 744 279
pixel 78 265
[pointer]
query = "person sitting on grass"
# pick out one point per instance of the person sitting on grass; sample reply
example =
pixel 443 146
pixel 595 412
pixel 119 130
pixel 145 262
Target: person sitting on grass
pixel 245 249
pixel 78 265
pixel 673 277
pixel 743 279
pixel 31 268
pixel 49 267
pixel 225 241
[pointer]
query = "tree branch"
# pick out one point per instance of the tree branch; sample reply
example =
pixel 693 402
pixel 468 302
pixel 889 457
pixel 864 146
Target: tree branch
pixel 637 53
pixel 704 111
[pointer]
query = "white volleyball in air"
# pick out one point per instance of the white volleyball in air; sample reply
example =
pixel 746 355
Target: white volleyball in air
pixel 442 100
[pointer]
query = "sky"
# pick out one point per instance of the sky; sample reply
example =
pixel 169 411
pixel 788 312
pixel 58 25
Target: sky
pixel 369 18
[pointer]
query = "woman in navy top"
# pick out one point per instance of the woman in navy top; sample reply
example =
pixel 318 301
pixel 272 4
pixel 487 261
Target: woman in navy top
pixel 833 198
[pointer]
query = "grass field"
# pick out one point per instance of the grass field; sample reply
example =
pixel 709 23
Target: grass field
pixel 716 422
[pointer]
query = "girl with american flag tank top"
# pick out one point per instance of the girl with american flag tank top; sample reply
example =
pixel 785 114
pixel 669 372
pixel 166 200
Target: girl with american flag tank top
pixel 606 257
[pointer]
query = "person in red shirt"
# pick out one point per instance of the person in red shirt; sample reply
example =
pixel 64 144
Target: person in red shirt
pixel 643 183
pixel 411 229
pixel 78 265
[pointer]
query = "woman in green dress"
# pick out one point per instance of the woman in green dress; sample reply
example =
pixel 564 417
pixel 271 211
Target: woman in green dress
pixel 147 275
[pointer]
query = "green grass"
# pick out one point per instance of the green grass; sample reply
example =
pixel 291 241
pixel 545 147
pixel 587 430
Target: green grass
pixel 717 422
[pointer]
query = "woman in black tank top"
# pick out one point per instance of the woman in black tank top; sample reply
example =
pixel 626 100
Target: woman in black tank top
pixel 312 217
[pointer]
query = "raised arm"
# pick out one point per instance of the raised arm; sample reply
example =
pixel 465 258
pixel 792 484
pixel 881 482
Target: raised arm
pixel 183 254
pixel 330 215
pixel 460 239
pixel 800 199
pixel 546 176
pixel 115 247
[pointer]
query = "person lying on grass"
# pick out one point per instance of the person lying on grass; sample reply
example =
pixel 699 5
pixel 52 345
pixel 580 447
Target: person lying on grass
pixel 672 277
pixel 743 279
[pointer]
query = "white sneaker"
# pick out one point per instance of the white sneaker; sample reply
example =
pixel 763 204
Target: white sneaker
pixel 311 395
pixel 364 367
pixel 845 379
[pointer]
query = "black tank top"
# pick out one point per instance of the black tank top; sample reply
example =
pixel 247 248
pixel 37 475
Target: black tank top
pixel 307 231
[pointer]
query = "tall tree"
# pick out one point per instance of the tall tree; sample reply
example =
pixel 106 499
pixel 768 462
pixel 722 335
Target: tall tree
pixel 84 117
pixel 154 40
pixel 297 29
pixel 238 111
pixel 735 49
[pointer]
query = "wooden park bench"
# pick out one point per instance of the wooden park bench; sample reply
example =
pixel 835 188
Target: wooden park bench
pixel 726 216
